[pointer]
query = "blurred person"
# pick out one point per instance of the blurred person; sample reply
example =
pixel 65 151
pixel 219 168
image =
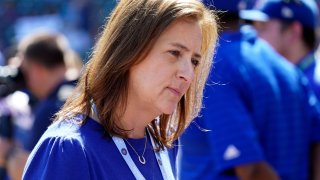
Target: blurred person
pixel 141 88
pixel 44 67
pixel 74 65
pixel 260 119
pixel 290 27
pixel 15 118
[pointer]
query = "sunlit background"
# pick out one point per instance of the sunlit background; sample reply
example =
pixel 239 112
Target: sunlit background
pixel 79 20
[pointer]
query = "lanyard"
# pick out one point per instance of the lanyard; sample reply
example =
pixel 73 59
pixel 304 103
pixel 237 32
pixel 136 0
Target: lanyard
pixel 126 156
pixel 162 159
pixel 163 162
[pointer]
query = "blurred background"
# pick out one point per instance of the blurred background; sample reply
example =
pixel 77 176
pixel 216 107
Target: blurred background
pixel 78 20
pixel 61 32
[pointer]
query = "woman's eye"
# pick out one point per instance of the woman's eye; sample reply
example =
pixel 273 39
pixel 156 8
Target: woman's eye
pixel 175 53
pixel 195 62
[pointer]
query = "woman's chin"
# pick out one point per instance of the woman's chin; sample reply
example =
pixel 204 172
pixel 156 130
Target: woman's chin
pixel 169 110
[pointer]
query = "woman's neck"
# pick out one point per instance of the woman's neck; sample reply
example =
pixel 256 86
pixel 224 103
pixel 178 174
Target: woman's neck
pixel 135 123
pixel 136 119
pixel 136 128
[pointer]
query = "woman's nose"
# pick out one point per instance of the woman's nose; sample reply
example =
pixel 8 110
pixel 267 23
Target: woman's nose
pixel 186 71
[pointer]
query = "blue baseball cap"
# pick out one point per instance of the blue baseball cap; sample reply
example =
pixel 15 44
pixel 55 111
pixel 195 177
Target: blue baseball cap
pixel 304 11
pixel 232 6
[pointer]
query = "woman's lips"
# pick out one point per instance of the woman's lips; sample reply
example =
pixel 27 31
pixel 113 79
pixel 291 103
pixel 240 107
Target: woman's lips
pixel 175 91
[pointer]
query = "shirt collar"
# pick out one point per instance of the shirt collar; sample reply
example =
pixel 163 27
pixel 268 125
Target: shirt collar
pixel 307 61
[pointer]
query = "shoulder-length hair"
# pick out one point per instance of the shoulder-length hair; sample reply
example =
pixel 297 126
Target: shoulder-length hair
pixel 128 36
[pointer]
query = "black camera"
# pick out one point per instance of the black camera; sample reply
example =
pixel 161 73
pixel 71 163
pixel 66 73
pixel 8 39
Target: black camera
pixel 11 80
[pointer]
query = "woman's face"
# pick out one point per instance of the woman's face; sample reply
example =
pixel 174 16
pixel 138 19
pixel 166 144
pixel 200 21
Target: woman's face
pixel 158 82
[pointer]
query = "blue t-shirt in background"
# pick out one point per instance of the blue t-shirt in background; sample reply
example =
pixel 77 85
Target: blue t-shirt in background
pixel 71 151
pixel 258 108
pixel 44 111
pixel 310 65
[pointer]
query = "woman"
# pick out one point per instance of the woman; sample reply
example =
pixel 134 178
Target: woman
pixel 141 88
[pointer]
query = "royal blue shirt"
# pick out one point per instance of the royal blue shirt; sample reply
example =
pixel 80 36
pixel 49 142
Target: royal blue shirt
pixel 257 107
pixel 44 111
pixel 71 151
pixel 310 65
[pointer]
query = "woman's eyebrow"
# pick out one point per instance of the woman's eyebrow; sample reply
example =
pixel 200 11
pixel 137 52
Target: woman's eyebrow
pixel 181 46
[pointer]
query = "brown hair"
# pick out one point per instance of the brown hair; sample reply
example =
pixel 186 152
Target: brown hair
pixel 131 31
pixel 44 48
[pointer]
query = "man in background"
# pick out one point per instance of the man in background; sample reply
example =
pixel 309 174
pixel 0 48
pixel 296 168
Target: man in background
pixel 290 28
pixel 44 67
pixel 260 119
